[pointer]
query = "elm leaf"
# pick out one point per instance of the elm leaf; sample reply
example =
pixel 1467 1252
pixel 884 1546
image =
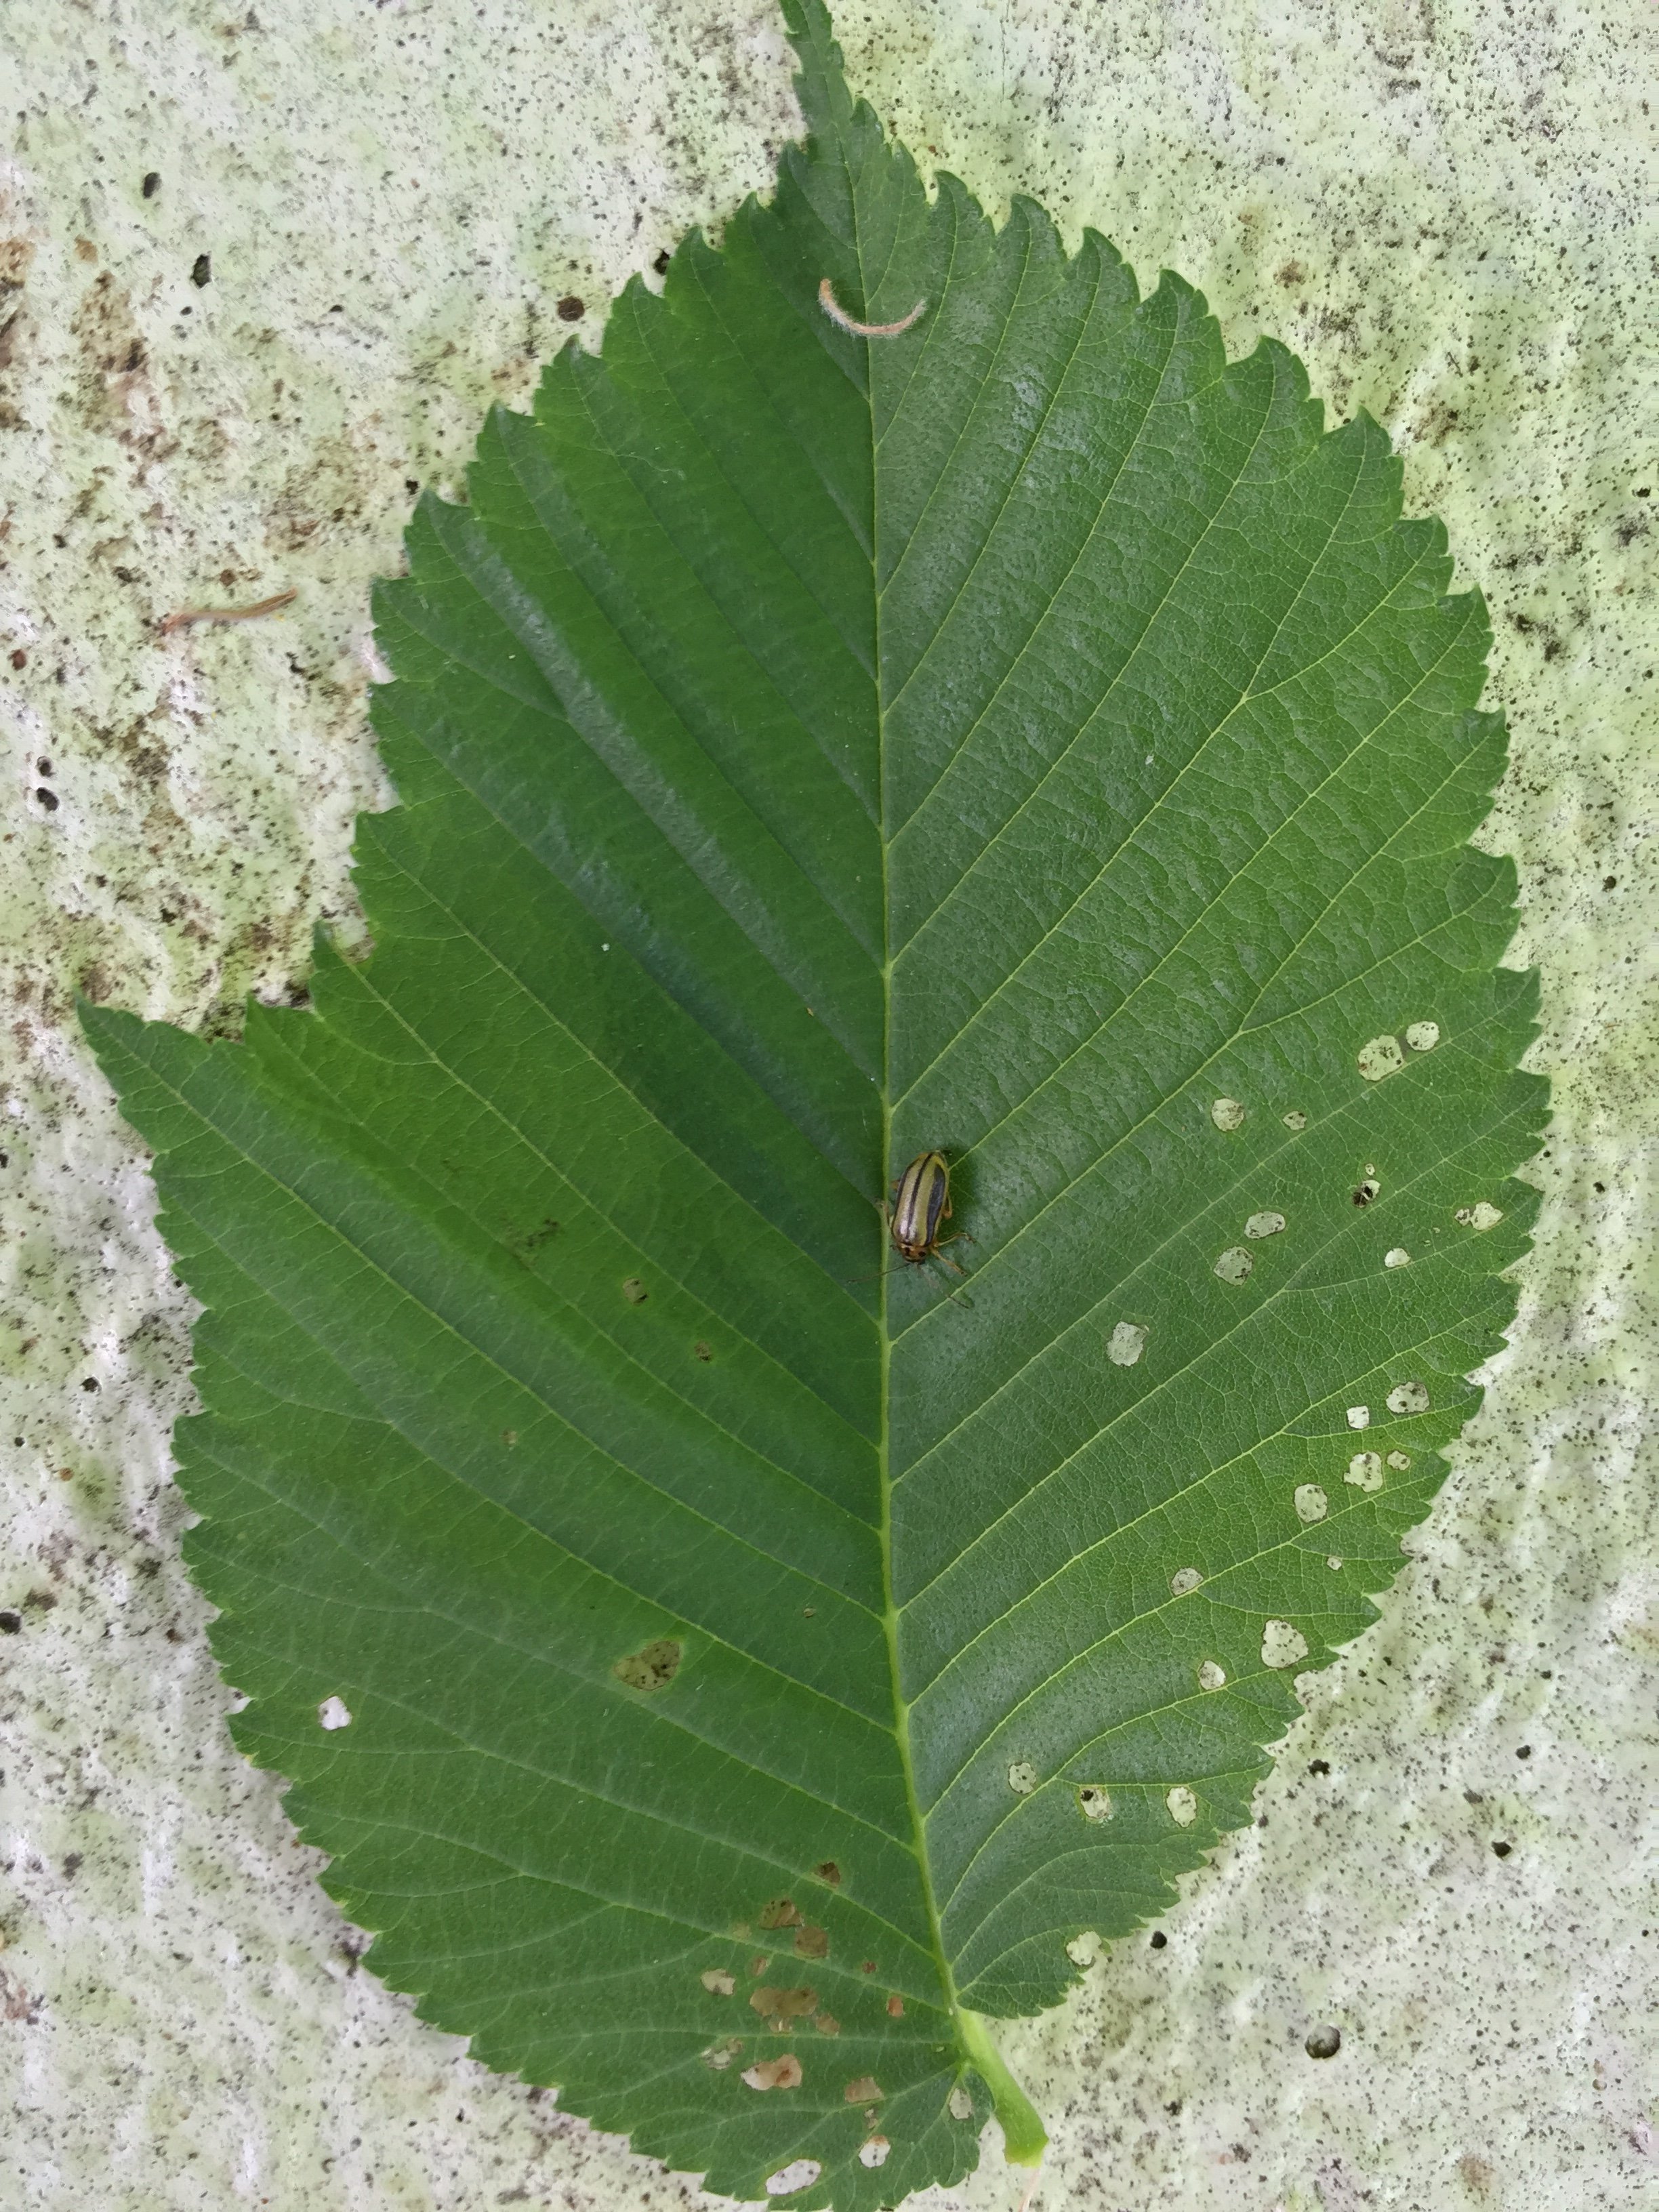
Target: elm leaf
pixel 726 1665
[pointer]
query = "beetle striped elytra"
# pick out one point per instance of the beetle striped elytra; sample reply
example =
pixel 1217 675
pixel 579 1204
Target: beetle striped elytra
pixel 921 1200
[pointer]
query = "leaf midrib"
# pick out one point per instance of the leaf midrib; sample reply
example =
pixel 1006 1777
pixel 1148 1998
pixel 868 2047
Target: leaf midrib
pixel 884 1450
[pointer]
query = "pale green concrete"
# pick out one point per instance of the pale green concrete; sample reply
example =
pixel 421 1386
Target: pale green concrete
pixel 1448 212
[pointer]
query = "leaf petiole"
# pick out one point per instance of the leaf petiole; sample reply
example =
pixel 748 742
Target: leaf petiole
pixel 1025 2138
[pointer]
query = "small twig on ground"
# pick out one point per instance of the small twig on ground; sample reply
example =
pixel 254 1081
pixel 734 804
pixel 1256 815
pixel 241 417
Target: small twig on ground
pixel 837 313
pixel 189 615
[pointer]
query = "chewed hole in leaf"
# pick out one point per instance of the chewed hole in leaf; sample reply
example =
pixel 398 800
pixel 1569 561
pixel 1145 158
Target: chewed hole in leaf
pixel 1228 1114
pixel 1311 1503
pixel 1399 1460
pixel 1296 1121
pixel 1408 1398
pixel 1211 1675
pixel 1083 1950
pixel 1366 1471
pixel 1283 1644
pixel 1264 1225
pixel 652 1668
pixel 874 2150
pixel 1483 1216
pixel 1423 1036
pixel 1235 1265
pixel 959 2104
pixel 1094 1802
pixel 1126 1344
pixel 1182 1804
pixel 334 1713
pixel 1399 1257
pixel 1381 1056
pixel 1022 1777
pixel 1359 1417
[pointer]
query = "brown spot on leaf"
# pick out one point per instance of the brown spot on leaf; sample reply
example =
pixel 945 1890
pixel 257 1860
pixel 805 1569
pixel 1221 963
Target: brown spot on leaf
pixel 777 2008
pixel 759 1963
pixel 717 1981
pixel 635 1291
pixel 812 1943
pixel 653 1668
pixel 896 2007
pixel 866 2090
pixel 827 2024
pixel 570 309
pixel 775 2073
pixel 829 1872
pixel 779 1913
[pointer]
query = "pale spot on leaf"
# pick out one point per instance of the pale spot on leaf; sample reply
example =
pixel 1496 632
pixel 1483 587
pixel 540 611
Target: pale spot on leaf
pixel 1365 1471
pixel 1295 1122
pixel 1480 1217
pixel 1184 1580
pixel 1283 1644
pixel 1381 1056
pixel 653 1668
pixel 1126 1344
pixel 1408 1398
pixel 717 1981
pixel 1264 1225
pixel 1423 1036
pixel 864 2090
pixel 1399 1460
pixel 1083 1950
pixel 1400 1257
pixel 1235 1265
pixel 1227 1113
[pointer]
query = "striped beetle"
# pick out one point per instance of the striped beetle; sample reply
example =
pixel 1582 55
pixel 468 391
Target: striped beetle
pixel 921 1201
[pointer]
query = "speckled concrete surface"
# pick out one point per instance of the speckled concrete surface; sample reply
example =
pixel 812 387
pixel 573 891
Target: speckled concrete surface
pixel 1447 209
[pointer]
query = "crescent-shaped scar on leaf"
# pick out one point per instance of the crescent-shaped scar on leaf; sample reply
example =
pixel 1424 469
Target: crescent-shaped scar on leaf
pixel 837 313
pixel 256 613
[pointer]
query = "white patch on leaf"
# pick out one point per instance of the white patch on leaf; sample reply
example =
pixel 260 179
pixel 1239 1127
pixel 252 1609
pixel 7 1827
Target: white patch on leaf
pixel 1283 1644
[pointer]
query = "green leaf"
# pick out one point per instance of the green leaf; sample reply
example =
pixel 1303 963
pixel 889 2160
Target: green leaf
pixel 709 1661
